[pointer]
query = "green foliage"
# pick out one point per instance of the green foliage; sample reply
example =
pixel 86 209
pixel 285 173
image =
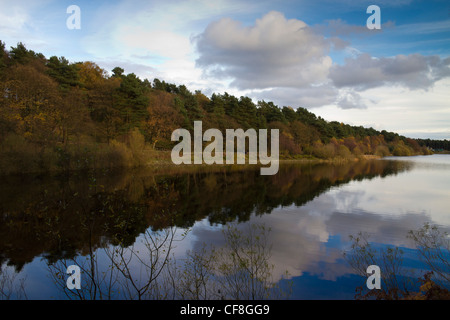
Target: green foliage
pixel 21 55
pixel 270 112
pixel 131 101
pixel 3 59
pixel 438 145
pixel 63 72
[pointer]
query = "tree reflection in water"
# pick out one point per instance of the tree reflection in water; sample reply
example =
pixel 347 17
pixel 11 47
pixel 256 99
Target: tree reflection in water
pixel 148 270
pixel 105 222
pixel 121 272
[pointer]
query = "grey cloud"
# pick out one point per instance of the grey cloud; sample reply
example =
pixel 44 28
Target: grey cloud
pixel 392 230
pixel 414 71
pixel 286 61
pixel 350 100
pixel 298 234
pixel 275 52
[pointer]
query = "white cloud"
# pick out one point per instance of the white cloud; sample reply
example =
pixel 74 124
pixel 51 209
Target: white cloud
pixel 20 21
pixel 308 97
pixel 155 35
pixel 287 62
pixel 164 43
pixel 413 113
pixel 12 19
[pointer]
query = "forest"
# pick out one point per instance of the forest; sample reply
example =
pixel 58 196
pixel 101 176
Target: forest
pixel 57 115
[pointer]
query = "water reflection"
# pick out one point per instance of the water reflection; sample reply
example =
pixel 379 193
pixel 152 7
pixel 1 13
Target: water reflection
pixel 148 270
pixel 108 273
pixel 105 222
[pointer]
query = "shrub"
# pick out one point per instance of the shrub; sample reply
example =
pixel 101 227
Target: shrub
pixel 402 150
pixel 324 151
pixel 344 152
pixel 382 151
pixel 18 155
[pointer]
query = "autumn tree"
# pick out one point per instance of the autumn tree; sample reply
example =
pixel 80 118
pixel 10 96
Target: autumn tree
pixel 303 135
pixel 73 117
pixel 91 76
pixel 32 103
pixel 101 105
pixel 163 118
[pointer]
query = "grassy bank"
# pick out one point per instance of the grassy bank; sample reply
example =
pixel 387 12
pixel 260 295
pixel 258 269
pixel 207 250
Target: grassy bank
pixel 19 156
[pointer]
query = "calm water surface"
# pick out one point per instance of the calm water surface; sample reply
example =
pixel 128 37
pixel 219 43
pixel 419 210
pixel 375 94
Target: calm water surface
pixel 134 234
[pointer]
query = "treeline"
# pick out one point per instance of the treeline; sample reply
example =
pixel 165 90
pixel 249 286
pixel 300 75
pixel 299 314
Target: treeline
pixel 60 115
pixel 437 145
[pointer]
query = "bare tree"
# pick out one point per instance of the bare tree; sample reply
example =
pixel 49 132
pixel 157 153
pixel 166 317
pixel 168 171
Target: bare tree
pixel 148 269
pixel 390 260
pixel 243 266
pixel 11 287
pixel 398 282
pixel 96 284
pixel 433 245
pixel 141 270
pixel 194 279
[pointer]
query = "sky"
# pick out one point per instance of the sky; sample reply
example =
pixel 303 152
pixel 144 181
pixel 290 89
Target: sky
pixel 316 54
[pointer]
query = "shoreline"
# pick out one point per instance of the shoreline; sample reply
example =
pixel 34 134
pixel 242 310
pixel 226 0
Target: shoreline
pixel 163 161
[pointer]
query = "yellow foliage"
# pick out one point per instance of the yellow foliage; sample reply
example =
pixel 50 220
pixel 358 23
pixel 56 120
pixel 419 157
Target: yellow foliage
pixel 91 75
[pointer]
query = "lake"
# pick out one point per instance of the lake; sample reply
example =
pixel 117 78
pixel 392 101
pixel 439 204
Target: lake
pixel 208 232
